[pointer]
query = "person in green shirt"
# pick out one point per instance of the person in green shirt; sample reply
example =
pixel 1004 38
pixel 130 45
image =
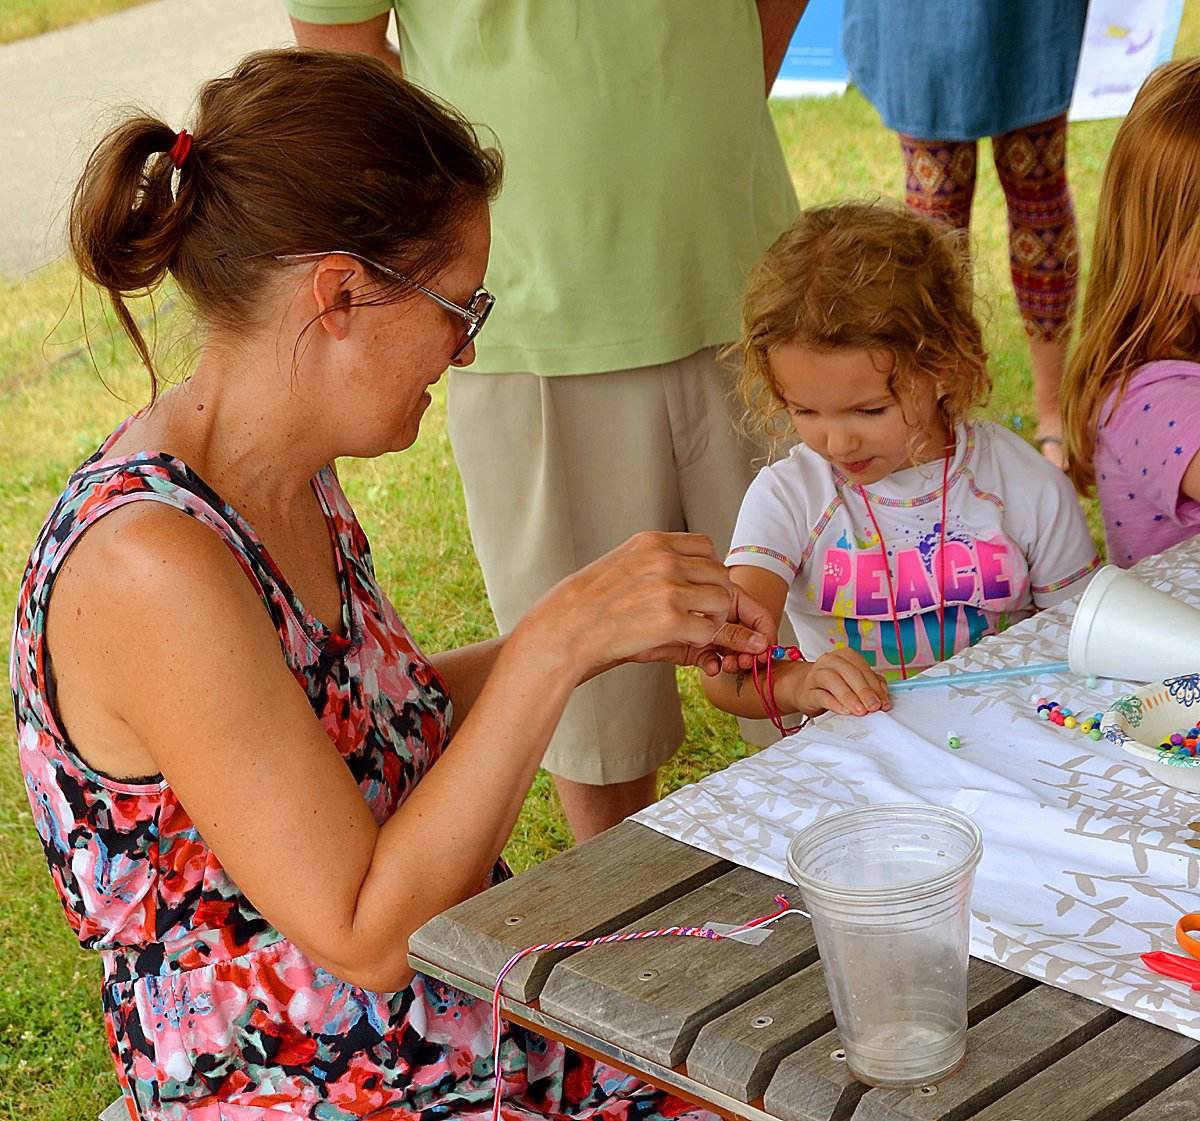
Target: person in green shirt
pixel 644 177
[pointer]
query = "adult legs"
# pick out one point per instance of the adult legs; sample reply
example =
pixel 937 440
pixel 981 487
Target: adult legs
pixel 1043 241
pixel 590 808
pixel 559 470
pixel 939 178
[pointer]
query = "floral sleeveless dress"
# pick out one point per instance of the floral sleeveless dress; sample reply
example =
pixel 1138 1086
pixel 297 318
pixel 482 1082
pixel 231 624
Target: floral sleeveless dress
pixel 211 1013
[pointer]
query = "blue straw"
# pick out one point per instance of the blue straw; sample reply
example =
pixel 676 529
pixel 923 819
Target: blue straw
pixel 970 677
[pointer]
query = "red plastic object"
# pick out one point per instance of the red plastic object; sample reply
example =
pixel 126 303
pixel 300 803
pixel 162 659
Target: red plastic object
pixel 1175 966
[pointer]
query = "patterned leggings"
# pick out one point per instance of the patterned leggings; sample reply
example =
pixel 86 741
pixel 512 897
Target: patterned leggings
pixel 939 180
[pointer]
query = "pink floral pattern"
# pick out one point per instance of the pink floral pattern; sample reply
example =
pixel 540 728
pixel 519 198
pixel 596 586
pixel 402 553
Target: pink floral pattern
pixel 211 1013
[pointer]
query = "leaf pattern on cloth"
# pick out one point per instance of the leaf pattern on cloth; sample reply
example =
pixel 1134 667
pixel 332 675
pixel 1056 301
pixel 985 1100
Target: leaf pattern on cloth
pixel 1084 865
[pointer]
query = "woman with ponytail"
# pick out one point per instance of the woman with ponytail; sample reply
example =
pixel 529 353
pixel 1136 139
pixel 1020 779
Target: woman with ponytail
pixel 250 784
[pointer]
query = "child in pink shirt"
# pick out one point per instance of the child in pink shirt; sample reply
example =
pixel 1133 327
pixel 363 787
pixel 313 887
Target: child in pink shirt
pixel 1131 395
pixel 1143 459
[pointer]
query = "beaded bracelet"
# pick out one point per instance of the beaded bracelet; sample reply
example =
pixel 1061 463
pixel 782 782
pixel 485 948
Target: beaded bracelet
pixel 767 695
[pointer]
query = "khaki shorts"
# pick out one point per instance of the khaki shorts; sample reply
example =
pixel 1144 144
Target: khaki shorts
pixel 557 471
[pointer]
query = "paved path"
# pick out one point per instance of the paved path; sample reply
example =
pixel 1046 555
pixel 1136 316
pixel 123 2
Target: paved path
pixel 56 88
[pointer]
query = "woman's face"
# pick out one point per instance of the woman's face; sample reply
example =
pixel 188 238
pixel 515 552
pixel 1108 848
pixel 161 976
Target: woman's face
pixel 411 343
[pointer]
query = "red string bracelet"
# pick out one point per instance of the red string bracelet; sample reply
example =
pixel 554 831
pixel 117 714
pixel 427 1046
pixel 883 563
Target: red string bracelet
pixel 767 693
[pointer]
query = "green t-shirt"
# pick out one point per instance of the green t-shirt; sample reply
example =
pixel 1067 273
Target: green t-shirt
pixel 643 173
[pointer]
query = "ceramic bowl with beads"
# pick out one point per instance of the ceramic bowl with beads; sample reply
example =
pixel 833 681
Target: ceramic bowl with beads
pixel 1157 725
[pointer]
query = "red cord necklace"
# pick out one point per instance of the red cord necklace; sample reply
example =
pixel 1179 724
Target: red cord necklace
pixel 941 574
pixel 766 687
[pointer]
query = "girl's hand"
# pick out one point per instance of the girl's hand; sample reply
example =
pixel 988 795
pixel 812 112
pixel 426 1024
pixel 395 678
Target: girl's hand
pixel 841 681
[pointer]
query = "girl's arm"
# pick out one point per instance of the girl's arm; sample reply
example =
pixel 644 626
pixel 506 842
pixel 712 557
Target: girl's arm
pixel 159 640
pixel 840 681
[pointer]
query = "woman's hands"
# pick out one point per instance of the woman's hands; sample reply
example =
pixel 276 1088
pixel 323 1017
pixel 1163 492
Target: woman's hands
pixel 839 681
pixel 658 597
pixel 744 637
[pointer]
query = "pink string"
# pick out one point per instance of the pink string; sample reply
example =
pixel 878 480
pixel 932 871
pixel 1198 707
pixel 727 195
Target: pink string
pixel 577 944
pixel 767 695
pixel 887 571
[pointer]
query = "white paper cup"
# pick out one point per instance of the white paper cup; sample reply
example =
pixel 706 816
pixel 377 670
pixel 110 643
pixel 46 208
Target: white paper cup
pixel 1129 631
pixel 888 889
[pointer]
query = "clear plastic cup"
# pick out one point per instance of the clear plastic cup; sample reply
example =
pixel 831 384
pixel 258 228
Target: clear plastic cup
pixel 888 888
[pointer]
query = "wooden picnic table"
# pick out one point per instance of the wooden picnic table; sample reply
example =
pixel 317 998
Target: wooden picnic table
pixel 747 1030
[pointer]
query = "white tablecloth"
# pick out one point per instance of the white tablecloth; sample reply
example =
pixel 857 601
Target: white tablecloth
pixel 1085 865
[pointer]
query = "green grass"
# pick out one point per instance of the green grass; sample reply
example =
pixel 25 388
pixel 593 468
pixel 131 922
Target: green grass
pixel 20 19
pixel 54 1064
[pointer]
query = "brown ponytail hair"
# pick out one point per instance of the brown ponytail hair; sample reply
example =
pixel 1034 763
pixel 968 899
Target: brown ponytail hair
pixel 293 151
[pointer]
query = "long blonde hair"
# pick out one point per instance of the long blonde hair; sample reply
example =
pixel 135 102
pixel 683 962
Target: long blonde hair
pixel 869 276
pixel 1136 308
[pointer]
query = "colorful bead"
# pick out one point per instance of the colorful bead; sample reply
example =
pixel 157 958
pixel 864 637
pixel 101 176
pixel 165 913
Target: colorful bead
pixel 952 741
pixel 1056 713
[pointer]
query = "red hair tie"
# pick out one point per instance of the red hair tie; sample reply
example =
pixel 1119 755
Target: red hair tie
pixel 180 149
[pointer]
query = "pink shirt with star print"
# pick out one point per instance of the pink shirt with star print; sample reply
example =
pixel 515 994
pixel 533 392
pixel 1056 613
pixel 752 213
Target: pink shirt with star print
pixel 1144 445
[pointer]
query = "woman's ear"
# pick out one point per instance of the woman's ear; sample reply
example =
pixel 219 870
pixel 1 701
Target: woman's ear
pixel 332 284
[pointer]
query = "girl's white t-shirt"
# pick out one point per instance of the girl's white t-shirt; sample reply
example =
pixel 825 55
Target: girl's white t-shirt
pixel 1016 540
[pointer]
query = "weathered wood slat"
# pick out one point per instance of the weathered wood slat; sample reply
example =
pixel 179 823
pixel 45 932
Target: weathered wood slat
pixel 656 1007
pixel 754 1022
pixel 738 1051
pixel 1119 1070
pixel 810 1084
pixel 1176 1103
pixel 559 900
pixel 1004 1050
